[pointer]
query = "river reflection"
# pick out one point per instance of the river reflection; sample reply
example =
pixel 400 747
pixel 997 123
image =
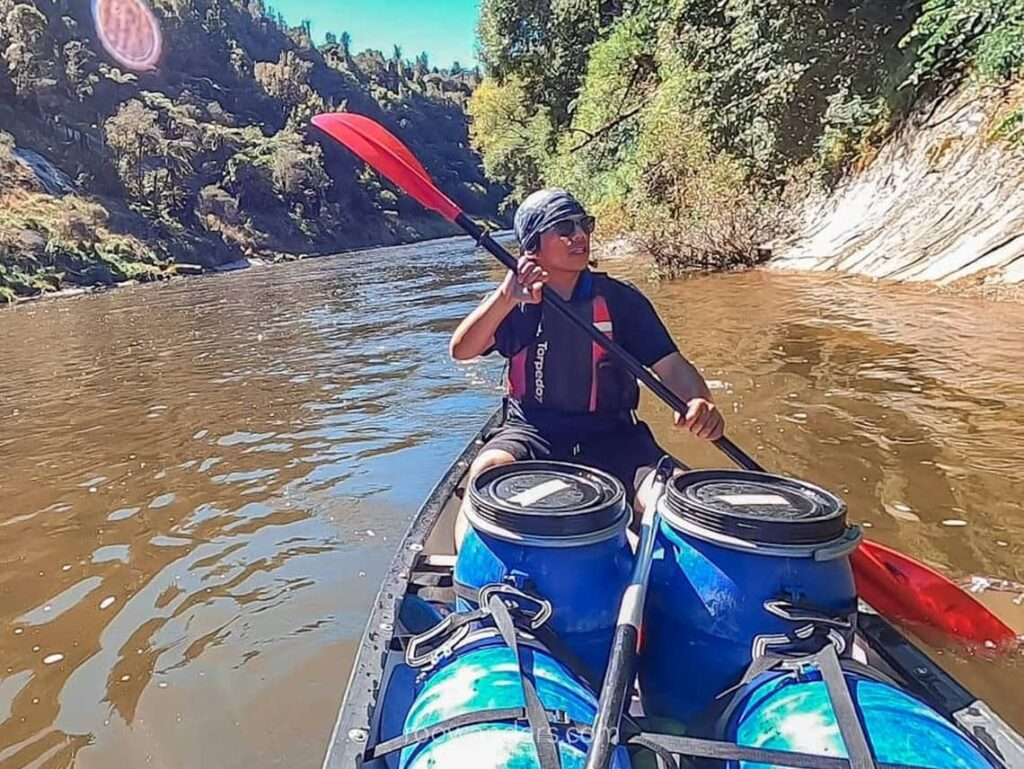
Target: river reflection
pixel 202 482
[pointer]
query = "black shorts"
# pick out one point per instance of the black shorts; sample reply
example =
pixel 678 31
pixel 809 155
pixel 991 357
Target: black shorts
pixel 629 453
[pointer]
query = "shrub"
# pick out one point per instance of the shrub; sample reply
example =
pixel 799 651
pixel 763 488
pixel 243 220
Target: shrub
pixel 45 241
pixel 693 206
pixel 13 173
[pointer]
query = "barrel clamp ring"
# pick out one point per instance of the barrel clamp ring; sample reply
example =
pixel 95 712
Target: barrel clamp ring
pixel 416 659
pixel 793 613
pixel 455 628
pixel 536 611
pixel 831 630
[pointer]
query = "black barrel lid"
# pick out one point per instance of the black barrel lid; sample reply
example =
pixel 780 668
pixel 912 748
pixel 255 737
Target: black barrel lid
pixel 548 499
pixel 757 507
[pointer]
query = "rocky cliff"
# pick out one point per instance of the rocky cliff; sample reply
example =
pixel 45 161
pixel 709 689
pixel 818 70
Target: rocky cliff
pixel 941 200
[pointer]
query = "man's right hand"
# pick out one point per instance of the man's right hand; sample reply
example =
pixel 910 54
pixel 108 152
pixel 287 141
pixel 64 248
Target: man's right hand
pixel 525 284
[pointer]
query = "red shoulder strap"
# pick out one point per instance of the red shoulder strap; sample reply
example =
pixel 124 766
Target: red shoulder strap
pixel 602 320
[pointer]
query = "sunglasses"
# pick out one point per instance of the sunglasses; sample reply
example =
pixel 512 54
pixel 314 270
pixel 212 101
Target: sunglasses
pixel 567 227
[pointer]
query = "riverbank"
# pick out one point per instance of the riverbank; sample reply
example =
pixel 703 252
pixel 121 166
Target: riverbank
pixel 940 201
pixel 29 278
pixel 622 249
pixel 56 240
pixel 183 271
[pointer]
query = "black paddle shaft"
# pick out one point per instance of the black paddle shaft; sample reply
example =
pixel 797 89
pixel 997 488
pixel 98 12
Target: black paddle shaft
pixel 726 446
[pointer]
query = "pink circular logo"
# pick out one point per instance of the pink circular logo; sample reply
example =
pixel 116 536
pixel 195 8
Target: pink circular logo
pixel 129 32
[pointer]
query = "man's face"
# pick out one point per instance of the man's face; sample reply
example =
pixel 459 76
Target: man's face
pixel 563 250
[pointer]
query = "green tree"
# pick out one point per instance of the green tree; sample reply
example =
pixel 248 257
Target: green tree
pixel 511 133
pixel 29 53
pixel 374 65
pixel 135 137
pixel 766 73
pixel 257 9
pixel 6 85
pixel 81 73
pixel 155 164
pixel 287 79
pixel 241 64
pixel 421 67
pixel 297 168
pixel 304 34
pixel 270 171
pixel 543 42
pixel 597 154
pixel 953 34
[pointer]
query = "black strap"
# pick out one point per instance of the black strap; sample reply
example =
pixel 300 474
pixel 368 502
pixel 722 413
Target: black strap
pixel 466 593
pixel 445 595
pixel 543 739
pixel 664 756
pixel 433 586
pixel 458 620
pixel 727 751
pixel 430 578
pixel 495 715
pixel 559 649
pixel 403 741
pixel 757 667
pixel 850 727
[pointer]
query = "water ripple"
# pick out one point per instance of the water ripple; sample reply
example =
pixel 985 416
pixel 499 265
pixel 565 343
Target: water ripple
pixel 191 473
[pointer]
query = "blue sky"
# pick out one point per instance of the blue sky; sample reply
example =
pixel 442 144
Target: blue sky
pixel 445 29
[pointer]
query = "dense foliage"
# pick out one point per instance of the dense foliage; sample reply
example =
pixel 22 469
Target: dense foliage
pixel 695 125
pixel 211 157
pixel 985 35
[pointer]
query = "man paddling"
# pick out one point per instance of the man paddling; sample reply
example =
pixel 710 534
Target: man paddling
pixel 568 401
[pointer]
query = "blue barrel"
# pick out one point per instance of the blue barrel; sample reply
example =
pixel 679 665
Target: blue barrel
pixel 484 675
pixel 556 531
pixel 742 561
pixel 792 711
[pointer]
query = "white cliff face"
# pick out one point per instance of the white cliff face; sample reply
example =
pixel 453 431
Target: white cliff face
pixel 942 201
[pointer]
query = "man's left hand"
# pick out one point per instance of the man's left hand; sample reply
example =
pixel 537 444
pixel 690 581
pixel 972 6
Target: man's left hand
pixel 703 419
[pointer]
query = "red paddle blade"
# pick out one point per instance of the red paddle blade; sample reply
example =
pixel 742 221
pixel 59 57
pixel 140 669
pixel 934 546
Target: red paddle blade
pixel 388 156
pixel 900 588
pixel 386 139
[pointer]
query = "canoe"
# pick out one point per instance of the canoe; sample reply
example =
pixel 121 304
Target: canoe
pixel 423 567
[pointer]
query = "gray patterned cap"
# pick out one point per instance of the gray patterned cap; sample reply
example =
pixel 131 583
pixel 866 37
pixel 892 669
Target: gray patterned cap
pixel 541 210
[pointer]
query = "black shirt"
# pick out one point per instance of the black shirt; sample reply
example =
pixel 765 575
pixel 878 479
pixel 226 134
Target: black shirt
pixel 559 380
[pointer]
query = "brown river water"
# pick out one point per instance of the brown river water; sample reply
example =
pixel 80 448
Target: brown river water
pixel 201 482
